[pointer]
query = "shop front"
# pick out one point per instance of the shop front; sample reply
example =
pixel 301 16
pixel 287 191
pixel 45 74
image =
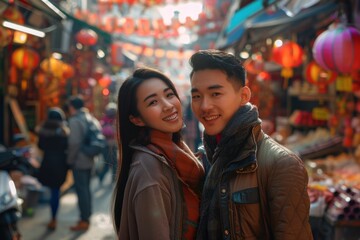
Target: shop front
pixel 304 54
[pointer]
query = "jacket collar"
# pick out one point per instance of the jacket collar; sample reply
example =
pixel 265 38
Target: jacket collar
pixel 148 151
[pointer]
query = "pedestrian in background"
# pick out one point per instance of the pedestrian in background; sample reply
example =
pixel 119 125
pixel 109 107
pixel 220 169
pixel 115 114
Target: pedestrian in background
pixel 255 188
pixel 81 164
pixel 110 153
pixel 157 192
pixel 53 141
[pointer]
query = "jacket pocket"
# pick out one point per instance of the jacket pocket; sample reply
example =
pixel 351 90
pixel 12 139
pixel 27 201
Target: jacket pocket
pixel 246 218
pixel 246 196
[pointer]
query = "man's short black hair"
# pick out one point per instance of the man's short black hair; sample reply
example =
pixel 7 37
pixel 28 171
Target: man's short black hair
pixel 216 59
pixel 76 102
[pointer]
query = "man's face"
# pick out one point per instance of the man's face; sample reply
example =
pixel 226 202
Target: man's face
pixel 214 99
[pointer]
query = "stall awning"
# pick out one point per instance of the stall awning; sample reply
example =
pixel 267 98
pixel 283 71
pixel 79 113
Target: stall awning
pixel 252 24
pixel 235 27
pixel 245 13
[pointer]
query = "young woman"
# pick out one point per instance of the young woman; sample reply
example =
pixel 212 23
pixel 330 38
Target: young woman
pixel 157 190
pixel 53 141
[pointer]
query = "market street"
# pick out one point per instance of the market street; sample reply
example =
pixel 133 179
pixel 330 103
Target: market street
pixel 101 228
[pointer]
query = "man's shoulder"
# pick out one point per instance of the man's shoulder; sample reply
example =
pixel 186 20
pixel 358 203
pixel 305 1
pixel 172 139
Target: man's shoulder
pixel 272 152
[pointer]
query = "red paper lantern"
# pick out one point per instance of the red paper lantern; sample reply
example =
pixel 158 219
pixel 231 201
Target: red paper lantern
pixel 337 49
pixel 87 37
pixel 25 58
pixel 288 55
pixel 318 76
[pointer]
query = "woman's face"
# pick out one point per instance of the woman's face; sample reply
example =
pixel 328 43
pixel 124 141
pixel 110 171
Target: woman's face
pixel 158 106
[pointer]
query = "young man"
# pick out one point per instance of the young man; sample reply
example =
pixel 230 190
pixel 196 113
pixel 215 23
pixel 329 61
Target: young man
pixel 81 165
pixel 255 188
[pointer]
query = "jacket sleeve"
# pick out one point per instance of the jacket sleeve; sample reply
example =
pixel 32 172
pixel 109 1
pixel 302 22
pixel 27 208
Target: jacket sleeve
pixel 152 213
pixel 288 199
pixel 75 140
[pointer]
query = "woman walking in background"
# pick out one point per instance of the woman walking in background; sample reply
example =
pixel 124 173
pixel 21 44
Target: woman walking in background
pixel 53 141
pixel 157 191
pixel 110 153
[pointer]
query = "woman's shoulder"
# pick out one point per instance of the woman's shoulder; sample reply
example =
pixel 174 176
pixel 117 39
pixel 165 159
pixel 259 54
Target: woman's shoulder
pixel 53 129
pixel 149 168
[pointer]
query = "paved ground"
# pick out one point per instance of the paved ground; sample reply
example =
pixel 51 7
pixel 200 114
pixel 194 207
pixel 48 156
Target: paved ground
pixel 34 228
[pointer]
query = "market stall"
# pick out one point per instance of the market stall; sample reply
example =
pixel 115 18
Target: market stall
pixel 306 54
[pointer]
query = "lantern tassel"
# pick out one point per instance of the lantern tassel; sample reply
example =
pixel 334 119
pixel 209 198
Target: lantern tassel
pixel 287 73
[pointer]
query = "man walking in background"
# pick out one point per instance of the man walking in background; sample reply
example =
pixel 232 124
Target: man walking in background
pixel 80 163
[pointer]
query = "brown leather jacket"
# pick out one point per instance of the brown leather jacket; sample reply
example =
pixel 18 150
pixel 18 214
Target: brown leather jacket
pixel 269 198
pixel 153 207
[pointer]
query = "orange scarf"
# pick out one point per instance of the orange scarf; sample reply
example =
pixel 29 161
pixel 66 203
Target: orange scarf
pixel 190 172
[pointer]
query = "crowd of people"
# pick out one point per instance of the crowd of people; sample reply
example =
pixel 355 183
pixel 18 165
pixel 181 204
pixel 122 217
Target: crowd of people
pixel 61 140
pixel 247 186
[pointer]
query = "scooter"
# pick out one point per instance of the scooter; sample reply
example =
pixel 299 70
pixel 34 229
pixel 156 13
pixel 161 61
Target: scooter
pixel 10 203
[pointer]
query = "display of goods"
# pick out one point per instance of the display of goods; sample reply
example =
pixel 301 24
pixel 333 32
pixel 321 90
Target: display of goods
pixel 345 204
pixel 308 119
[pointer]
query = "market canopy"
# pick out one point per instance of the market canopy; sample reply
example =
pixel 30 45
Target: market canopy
pixel 254 22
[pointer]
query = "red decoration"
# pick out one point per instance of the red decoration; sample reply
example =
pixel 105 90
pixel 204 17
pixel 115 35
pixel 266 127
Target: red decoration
pixel 144 27
pixel 25 58
pixel 318 76
pixel 5 37
pixel 348 134
pixel 337 49
pixel 159 27
pixel 87 37
pixel 129 26
pixel 288 55
pixel 255 64
pixel 105 81
pixel 263 76
pixel 117 57
pixel 40 79
pixel 68 71
pixel 13 14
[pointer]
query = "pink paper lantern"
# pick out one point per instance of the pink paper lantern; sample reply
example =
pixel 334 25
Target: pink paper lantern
pixel 337 49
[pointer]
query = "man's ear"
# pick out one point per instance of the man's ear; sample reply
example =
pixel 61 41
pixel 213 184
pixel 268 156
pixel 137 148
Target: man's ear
pixel 137 121
pixel 245 95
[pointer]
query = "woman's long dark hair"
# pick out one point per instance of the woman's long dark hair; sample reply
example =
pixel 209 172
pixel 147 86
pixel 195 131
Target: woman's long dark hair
pixel 128 132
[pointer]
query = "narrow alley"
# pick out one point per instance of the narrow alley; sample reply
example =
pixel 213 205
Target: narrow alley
pixel 35 227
